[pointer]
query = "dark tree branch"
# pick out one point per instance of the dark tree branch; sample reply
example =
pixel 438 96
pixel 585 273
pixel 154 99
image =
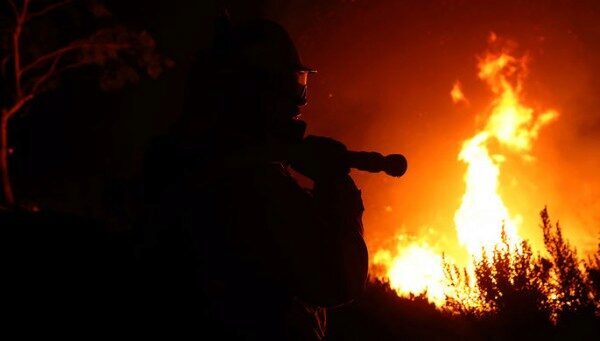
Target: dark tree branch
pixel 30 76
pixel 51 56
pixel 74 46
pixel 25 11
pixel 56 57
pixel 48 9
pixel 42 79
pixel 71 66
pixel 17 46
pixel 8 114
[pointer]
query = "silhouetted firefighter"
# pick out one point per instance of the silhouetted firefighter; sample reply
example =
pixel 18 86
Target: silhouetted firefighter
pixel 231 236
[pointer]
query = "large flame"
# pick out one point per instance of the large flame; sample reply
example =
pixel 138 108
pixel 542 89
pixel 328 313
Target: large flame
pixel 511 127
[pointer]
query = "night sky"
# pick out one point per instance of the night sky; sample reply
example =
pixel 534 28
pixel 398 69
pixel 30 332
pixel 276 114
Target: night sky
pixel 385 72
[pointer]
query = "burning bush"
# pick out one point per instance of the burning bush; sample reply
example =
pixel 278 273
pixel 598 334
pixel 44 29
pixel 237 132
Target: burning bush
pixel 513 293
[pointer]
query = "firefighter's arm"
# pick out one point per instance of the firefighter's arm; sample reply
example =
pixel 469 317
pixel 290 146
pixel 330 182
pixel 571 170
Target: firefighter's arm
pixel 338 202
pixel 323 230
pixel 320 239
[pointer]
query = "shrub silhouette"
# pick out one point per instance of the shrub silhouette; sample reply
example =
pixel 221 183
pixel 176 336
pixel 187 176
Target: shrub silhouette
pixel 514 293
pixel 465 299
pixel 512 286
pixel 593 270
pixel 570 287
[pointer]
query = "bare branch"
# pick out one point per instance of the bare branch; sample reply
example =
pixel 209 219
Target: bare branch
pixel 51 56
pixel 17 46
pixel 78 45
pixel 42 79
pixel 71 66
pixel 8 114
pixel 55 58
pixel 49 8
pixel 17 61
pixel 24 11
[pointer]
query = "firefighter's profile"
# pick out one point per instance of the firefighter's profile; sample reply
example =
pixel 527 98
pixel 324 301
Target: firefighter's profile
pixel 233 237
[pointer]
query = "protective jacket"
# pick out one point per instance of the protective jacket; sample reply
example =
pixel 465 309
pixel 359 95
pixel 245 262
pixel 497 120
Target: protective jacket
pixel 240 244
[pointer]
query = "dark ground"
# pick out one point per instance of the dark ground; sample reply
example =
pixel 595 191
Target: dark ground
pixel 74 276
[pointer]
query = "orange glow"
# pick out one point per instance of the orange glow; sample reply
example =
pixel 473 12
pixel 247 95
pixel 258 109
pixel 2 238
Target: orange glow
pixel 510 130
pixel 415 269
pixel 457 94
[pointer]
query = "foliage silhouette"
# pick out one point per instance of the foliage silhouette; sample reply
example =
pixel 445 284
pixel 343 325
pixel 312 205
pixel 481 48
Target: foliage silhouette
pixel 515 293
pixel 570 286
pixel 42 40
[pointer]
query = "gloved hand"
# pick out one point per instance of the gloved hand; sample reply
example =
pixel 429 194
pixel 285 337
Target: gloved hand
pixel 320 158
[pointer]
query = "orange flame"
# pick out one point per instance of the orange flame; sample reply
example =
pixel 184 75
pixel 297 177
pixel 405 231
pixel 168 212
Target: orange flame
pixel 417 268
pixel 457 94
pixel 513 125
